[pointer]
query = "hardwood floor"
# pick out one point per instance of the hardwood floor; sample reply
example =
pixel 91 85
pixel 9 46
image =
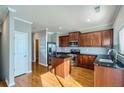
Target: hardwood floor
pixel 42 77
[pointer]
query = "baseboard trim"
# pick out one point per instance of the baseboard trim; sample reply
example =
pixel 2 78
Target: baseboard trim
pixel 11 84
pixel 29 71
pixel 43 64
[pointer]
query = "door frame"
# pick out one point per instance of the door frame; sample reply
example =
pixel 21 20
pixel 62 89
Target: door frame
pixel 26 64
pixel 35 49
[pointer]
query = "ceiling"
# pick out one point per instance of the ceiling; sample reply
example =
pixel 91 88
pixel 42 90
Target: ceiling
pixel 65 18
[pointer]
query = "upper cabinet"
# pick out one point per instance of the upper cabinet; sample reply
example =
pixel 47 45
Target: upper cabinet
pixel 85 39
pixel 90 39
pixel 64 41
pixel 107 38
pixel 74 36
pixel 97 39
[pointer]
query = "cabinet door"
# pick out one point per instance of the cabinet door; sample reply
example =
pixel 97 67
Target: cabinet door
pixel 96 39
pixel 79 60
pixel 91 60
pixel 60 41
pixel 66 41
pixel 87 39
pixel 74 36
pixel 63 41
pixel 107 38
pixel 108 77
pixel 85 61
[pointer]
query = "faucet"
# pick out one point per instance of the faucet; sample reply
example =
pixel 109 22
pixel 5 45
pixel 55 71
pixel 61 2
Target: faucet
pixel 115 53
pixel 109 51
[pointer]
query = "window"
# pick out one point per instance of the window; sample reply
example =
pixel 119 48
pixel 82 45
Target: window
pixel 121 41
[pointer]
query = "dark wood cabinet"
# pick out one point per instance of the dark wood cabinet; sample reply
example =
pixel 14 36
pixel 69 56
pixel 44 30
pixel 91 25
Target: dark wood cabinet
pixel 64 41
pixel 85 39
pixel 107 38
pixel 108 77
pixel 90 39
pixel 97 39
pixel 86 61
pixel 61 66
pixel 74 36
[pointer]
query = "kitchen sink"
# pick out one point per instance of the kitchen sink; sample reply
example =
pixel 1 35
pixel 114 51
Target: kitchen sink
pixel 106 60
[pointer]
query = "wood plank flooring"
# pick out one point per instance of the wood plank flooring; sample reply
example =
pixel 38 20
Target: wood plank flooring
pixel 42 77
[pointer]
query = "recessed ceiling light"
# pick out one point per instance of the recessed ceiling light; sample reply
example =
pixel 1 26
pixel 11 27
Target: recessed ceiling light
pixel 88 20
pixel 60 27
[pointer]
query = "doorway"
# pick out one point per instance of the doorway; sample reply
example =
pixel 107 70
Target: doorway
pixel 20 53
pixel 37 50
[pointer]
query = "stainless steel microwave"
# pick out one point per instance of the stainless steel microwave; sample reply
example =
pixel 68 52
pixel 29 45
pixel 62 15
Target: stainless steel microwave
pixel 74 44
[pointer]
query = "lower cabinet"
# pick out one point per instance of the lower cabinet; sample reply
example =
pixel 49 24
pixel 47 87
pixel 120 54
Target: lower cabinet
pixel 86 61
pixel 108 77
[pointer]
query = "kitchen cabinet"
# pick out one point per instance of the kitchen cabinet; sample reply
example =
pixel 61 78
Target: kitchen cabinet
pixel 107 38
pixel 64 41
pixel 86 61
pixel 85 40
pixel 97 39
pixel 61 66
pixel 108 77
pixel 90 39
pixel 74 36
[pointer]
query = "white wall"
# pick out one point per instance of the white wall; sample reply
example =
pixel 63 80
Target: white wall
pixel 6 49
pixel 85 50
pixel 118 24
pixel 8 27
pixel 42 36
pixel 51 37
pixel 35 37
pixel 43 48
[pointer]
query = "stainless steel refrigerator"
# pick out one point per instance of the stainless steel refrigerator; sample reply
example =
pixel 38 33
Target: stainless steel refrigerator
pixel 51 51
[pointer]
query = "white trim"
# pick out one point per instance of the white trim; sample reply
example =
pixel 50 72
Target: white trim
pixel 29 71
pixel 11 84
pixel 43 64
pixel 17 18
pixel 11 10
pixel 98 27
pixel 34 55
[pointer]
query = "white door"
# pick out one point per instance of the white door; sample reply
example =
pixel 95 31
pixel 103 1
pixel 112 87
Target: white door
pixel 21 53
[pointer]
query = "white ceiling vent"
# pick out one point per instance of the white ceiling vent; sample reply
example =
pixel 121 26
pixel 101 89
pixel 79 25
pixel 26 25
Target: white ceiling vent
pixel 97 9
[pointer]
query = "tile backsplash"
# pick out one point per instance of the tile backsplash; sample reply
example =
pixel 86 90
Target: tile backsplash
pixel 85 50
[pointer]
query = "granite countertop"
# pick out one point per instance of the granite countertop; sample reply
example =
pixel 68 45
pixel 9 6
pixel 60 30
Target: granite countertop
pixel 88 54
pixel 79 54
pixel 61 56
pixel 116 65
pixel 63 52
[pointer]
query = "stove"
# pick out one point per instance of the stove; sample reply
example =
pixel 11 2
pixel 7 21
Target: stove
pixel 74 53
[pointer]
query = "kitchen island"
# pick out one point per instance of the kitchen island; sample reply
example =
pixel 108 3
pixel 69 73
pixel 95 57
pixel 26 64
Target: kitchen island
pixel 61 65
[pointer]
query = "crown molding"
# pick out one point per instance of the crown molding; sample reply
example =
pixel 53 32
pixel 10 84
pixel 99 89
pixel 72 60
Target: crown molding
pixel 17 18
pixel 11 10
